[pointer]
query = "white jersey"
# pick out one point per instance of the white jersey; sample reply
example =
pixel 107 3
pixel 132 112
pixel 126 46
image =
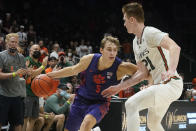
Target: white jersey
pixel 154 57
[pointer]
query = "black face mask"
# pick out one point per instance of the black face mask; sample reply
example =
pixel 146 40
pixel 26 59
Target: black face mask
pixel 12 50
pixel 62 59
pixel 36 54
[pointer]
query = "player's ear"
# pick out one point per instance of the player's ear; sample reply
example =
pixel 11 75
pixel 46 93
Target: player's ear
pixel 101 50
pixel 131 19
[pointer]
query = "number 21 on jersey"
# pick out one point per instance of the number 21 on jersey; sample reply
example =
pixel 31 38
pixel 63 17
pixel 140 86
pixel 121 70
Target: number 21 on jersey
pixel 147 62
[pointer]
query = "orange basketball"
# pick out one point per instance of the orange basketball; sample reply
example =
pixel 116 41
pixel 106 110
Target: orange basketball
pixel 44 86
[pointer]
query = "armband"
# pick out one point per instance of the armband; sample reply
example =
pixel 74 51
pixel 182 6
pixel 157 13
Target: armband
pixel 68 102
pixel 46 116
pixel 43 67
pixel 14 74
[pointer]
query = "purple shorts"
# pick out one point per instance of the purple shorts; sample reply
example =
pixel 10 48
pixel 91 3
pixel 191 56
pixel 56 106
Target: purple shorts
pixel 80 108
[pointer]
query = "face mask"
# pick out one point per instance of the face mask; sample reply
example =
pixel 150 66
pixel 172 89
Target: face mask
pixel 62 59
pixel 12 50
pixel 65 94
pixel 69 54
pixel 36 54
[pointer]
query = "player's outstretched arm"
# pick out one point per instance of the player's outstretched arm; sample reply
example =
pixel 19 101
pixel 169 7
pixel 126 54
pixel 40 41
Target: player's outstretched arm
pixel 141 74
pixel 174 53
pixel 72 70
pixel 126 68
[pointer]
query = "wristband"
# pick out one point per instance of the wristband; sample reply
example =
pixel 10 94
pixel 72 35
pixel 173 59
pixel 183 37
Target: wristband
pixel 46 116
pixel 14 74
pixel 68 102
pixel 43 67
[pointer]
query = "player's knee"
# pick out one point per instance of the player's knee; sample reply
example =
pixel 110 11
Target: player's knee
pixel 154 125
pixel 66 129
pixel 86 124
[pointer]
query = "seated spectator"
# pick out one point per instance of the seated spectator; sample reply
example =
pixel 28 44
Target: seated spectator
pixel 45 120
pixel 191 93
pixel 59 104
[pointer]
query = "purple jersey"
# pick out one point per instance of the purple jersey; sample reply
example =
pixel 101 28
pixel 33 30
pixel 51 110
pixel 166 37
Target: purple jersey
pixel 94 81
pixel 89 99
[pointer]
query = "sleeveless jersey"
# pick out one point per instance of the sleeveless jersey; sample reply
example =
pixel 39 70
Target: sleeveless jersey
pixel 148 50
pixel 94 81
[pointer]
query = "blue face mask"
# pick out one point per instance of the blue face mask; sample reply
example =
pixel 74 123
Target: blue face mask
pixel 65 94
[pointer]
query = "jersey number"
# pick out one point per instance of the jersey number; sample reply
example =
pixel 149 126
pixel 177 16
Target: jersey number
pixel 148 61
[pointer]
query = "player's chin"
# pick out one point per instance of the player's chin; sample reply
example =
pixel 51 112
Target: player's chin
pixel 111 59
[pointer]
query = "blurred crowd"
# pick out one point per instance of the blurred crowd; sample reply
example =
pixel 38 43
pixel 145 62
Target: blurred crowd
pixel 66 51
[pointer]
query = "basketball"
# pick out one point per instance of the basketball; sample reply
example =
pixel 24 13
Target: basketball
pixel 44 86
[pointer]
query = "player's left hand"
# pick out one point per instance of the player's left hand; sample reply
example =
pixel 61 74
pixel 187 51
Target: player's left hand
pixel 112 90
pixel 166 75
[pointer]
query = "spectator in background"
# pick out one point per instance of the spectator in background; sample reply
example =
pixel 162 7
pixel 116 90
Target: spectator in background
pixel 194 83
pixel 44 50
pixel 126 48
pixel 22 36
pixel 191 93
pixel 7 22
pixel 31 34
pixel 14 27
pixel 45 119
pixel 59 104
pixel 75 82
pixel 70 58
pixel 90 48
pixel 55 50
pixel 61 64
pixel 2 45
pixel 12 86
pixel 31 101
pixel 83 49
pixel 52 61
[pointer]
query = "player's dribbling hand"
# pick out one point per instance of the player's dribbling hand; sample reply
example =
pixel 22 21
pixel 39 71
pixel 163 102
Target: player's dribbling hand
pixel 112 90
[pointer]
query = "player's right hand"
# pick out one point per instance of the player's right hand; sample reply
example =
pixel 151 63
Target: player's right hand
pixel 112 90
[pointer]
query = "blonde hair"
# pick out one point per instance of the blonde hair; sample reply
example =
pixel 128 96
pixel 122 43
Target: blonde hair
pixel 8 36
pixel 110 39
pixel 135 10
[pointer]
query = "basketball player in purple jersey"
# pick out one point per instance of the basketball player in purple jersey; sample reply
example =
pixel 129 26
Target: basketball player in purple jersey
pixel 98 71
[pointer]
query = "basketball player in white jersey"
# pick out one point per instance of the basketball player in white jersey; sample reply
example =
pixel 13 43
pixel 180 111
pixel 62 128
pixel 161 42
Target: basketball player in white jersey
pixel 157 55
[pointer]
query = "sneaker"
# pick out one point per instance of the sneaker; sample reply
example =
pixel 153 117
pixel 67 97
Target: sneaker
pixel 96 129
